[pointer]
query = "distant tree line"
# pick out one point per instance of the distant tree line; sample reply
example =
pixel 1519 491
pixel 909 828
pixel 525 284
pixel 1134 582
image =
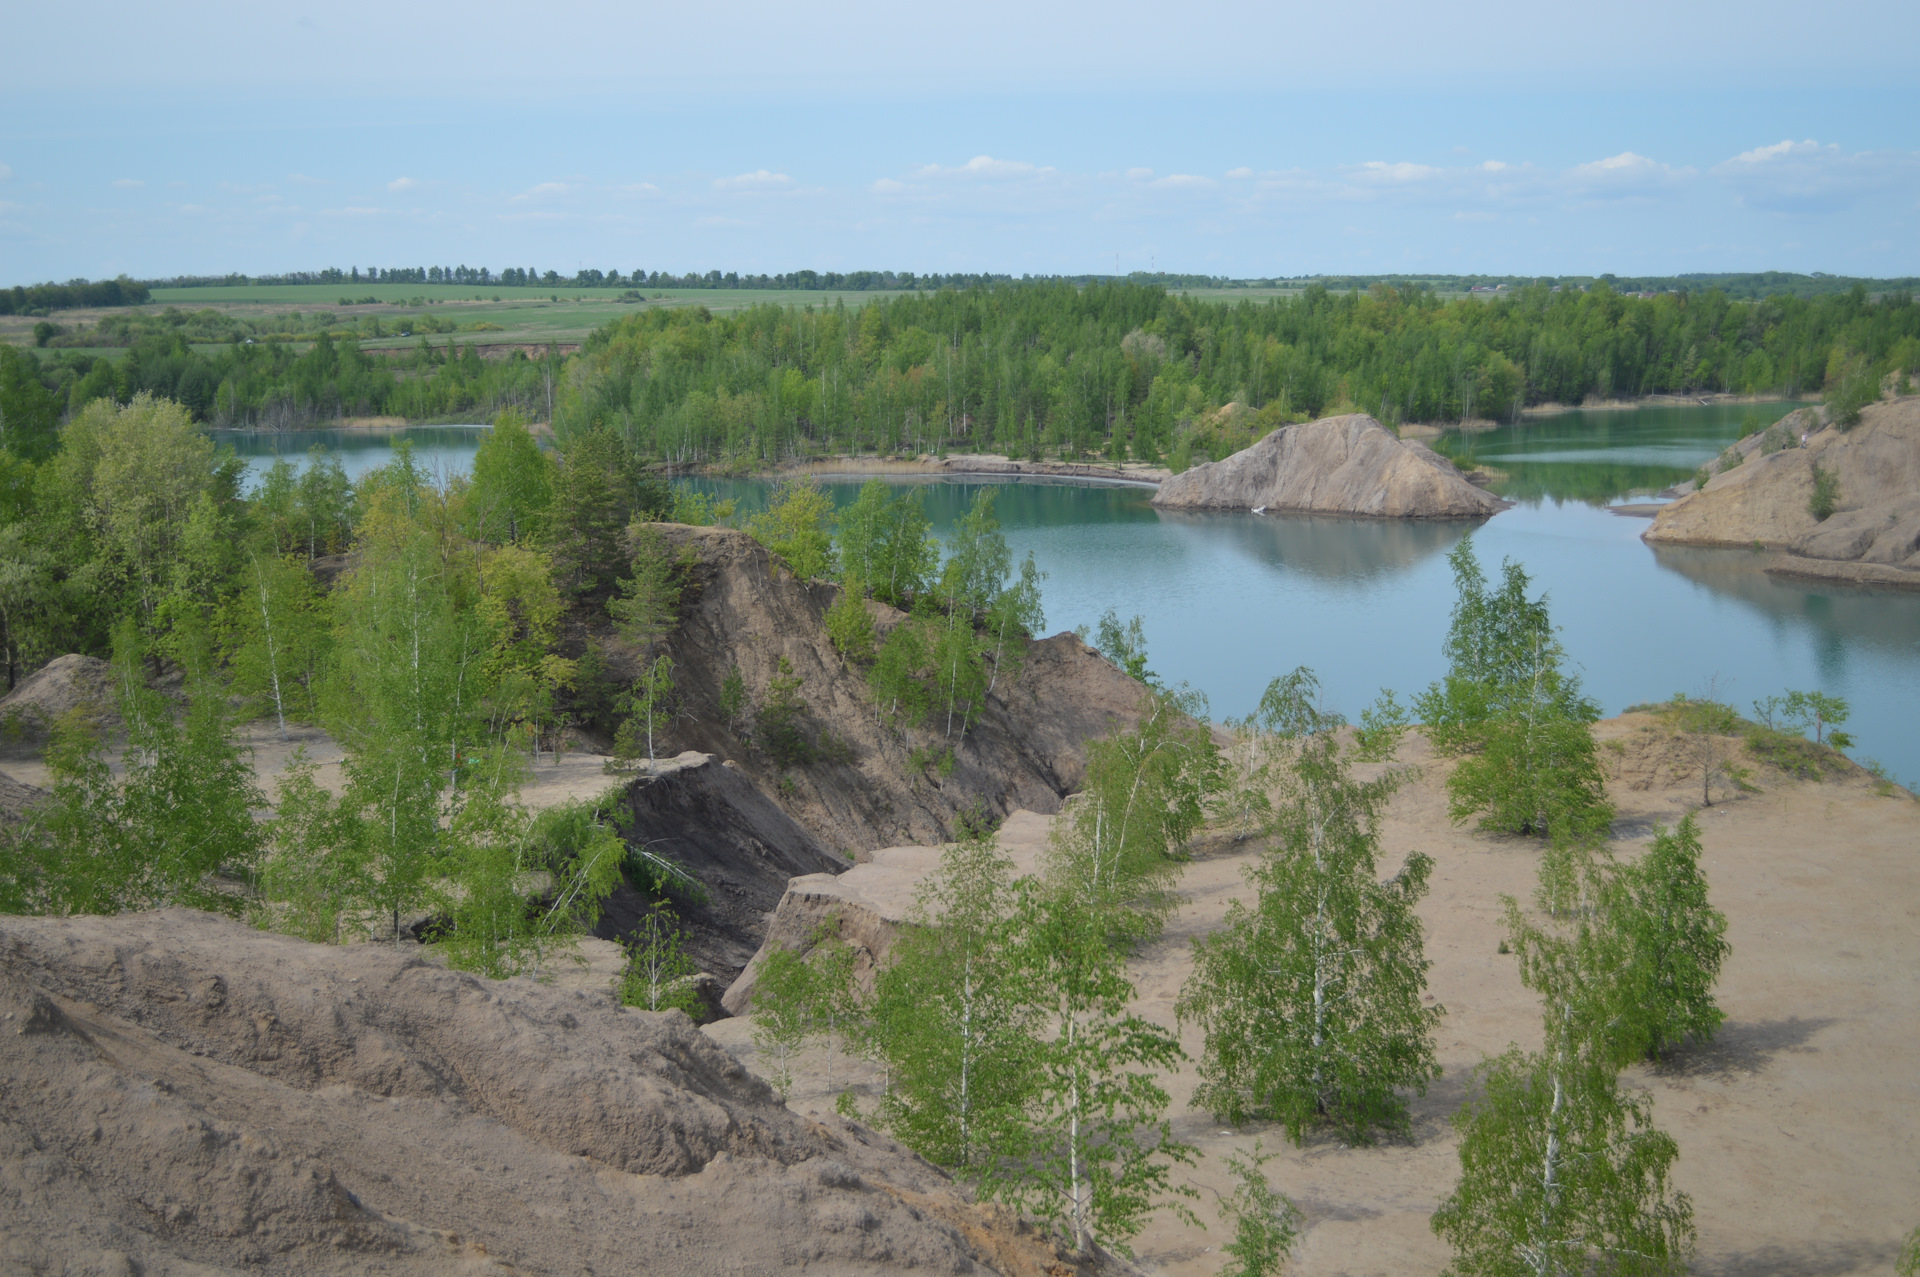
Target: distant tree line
pixel 1039 368
pixel 38 299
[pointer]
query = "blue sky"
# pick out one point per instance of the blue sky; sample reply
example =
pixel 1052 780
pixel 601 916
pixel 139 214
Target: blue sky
pixel 1237 139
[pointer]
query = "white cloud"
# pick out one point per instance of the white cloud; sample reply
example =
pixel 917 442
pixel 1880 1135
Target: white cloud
pixel 1493 166
pixel 128 183
pixel 1401 172
pixel 759 179
pixel 887 186
pixel 1239 173
pixel 1624 176
pixel 542 191
pixel 402 184
pixel 720 221
pixel 1186 180
pixel 1139 174
pixel 1807 177
pixel 985 166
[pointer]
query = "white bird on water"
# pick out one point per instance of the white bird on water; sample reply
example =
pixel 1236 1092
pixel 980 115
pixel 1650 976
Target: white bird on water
pixel 1259 509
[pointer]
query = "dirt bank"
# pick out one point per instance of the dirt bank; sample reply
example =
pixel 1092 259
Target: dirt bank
pixel 1349 465
pixel 1792 1125
pixel 182 1094
pixel 1761 494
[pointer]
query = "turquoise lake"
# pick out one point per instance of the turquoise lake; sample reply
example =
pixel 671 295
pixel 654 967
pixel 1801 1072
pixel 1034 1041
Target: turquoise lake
pixel 1232 600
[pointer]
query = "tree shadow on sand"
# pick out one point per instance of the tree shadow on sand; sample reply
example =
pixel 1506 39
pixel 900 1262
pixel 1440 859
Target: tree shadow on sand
pixel 1814 1259
pixel 1742 1048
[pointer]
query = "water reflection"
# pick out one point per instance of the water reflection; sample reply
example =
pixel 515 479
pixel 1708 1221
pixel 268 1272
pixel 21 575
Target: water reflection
pixel 1838 615
pixel 1601 456
pixel 1326 549
pixel 438 449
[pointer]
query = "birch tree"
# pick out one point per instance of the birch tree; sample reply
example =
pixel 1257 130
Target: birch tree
pixel 1093 1151
pixel 1676 943
pixel 1561 1172
pixel 951 1016
pixel 1311 1000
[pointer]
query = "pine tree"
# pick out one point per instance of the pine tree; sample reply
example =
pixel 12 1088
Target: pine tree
pixel 1312 999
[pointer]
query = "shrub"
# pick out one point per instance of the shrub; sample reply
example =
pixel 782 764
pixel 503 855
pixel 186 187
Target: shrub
pixel 1826 493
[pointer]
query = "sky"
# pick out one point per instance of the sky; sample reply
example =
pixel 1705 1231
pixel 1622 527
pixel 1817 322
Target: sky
pixel 1240 139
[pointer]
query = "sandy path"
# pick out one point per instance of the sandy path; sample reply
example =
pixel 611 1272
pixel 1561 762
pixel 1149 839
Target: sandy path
pixel 1799 1127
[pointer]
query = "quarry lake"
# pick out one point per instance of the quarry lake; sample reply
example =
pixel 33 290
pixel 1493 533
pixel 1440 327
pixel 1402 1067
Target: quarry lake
pixel 1231 600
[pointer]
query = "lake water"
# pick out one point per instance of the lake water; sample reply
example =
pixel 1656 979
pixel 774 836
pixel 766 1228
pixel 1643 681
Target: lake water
pixel 1231 600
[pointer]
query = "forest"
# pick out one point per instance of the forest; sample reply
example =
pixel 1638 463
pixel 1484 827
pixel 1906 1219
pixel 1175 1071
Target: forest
pixel 1031 369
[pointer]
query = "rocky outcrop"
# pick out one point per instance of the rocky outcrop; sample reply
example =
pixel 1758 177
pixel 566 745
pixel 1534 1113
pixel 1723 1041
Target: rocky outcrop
pixel 17 798
pixel 1349 465
pixel 710 820
pixel 182 1093
pixel 64 684
pixel 1873 535
pixel 865 788
pixel 868 904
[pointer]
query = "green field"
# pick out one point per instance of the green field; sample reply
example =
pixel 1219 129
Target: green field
pixel 520 316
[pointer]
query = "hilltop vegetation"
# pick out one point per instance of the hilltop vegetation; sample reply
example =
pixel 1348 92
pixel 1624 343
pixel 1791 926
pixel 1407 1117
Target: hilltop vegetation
pixel 1125 370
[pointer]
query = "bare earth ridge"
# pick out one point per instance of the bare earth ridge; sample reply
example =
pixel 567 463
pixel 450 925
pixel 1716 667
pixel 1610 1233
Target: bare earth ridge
pixel 1348 465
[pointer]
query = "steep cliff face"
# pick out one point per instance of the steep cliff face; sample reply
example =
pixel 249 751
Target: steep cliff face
pixel 186 1094
pixel 1873 535
pixel 865 789
pixel 1349 465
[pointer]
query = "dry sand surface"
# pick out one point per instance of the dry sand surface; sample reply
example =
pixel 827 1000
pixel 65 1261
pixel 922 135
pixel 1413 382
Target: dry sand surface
pixel 1798 1127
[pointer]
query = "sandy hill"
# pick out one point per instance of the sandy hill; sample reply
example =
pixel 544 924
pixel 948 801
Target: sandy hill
pixel 185 1095
pixel 1349 465
pixel 1873 535
pixel 1794 1143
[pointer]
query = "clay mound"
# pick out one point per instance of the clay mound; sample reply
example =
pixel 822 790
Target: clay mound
pixel 1874 534
pixel 183 1093
pixel 872 901
pixel 61 685
pixel 1349 465
pixel 16 798
pixel 864 790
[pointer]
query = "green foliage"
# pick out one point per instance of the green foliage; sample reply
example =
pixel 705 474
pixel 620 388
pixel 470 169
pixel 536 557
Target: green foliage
pixel 1825 498
pixel 1093 1150
pixel 510 902
pixel 698 509
pixel 1676 941
pixel 1266 1225
pixel 798 996
pixel 885 542
pixel 1117 848
pixel 849 624
pixel 778 723
pixel 1311 1001
pixel 733 696
pixel 313 882
pixel 647 607
pixel 1124 645
pixel 650 708
pixel 1853 382
pixel 659 974
pixel 951 1015
pixel 798 526
pixel 1560 1173
pixel 896 677
pixel 592 503
pixel 1514 717
pixel 176 828
pixel 1909 1262
pixel 277 638
pixel 512 483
